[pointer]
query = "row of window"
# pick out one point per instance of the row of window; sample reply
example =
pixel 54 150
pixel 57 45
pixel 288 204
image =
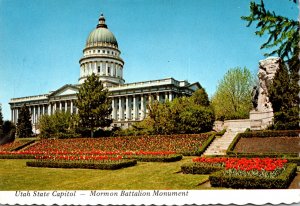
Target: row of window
pixel 101 52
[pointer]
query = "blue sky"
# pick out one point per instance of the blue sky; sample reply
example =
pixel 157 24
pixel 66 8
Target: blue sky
pixel 194 40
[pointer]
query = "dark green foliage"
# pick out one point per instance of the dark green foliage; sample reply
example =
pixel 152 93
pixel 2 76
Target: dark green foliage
pixel 94 105
pixel 1 122
pixel 232 99
pixel 283 32
pixel 24 127
pixel 83 165
pixel 196 168
pixel 8 132
pixel 188 115
pixel 284 103
pixel 284 36
pixel 58 125
pixel 16 156
pixel 172 158
pixel 218 179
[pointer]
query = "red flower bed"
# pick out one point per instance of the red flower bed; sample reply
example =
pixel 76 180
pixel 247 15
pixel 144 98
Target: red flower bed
pixel 143 145
pixel 266 167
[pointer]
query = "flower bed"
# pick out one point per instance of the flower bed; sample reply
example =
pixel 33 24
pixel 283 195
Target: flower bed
pixel 224 178
pixel 265 144
pixel 179 144
pixel 243 172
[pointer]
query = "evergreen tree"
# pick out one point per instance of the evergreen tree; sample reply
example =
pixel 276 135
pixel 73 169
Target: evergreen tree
pixel 284 37
pixel 1 121
pixel 286 112
pixel 24 127
pixel 94 105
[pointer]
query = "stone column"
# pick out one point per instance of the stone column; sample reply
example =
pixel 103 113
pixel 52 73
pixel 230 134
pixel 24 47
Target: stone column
pixel 34 114
pixel 127 109
pixel 49 108
pixel 134 108
pixel 157 96
pixel 55 107
pixel 11 114
pixel 106 68
pixel 120 109
pixel 166 96
pixel 43 111
pixel 170 96
pixel 71 107
pixel 114 109
pixel 66 106
pixel 142 107
pixel 60 106
pixel 95 67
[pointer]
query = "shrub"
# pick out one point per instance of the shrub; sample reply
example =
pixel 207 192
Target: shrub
pixel 282 181
pixel 83 165
pixel 172 158
pixel 196 168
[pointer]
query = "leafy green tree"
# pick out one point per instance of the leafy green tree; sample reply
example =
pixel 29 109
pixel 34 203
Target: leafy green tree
pixel 183 115
pixel 94 105
pixel 58 125
pixel 284 39
pixel 24 127
pixel 232 99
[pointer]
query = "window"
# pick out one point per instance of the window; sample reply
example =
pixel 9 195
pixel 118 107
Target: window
pixel 98 51
pixel 108 52
pixel 93 51
pixel 103 51
pixel 98 69
pixel 108 70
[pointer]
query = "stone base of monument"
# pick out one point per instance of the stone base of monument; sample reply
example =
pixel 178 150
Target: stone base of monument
pixel 260 120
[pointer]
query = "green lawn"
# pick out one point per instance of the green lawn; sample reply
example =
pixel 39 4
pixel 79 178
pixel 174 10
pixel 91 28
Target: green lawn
pixel 15 175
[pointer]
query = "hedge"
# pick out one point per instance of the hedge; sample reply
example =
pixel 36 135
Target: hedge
pixel 16 156
pixel 83 165
pixel 172 158
pixel 264 134
pixel 196 168
pixel 282 181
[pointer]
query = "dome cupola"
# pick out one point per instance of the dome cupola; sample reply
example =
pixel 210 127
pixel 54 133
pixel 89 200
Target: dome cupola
pixel 101 35
pixel 101 56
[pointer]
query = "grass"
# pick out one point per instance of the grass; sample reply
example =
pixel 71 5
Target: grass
pixel 15 175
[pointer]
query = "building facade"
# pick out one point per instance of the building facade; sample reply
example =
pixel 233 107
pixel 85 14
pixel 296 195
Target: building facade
pixel 101 56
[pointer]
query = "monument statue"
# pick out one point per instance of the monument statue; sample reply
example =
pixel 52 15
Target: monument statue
pixel 262 114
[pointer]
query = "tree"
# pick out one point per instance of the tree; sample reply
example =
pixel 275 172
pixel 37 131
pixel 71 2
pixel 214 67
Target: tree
pixel 183 115
pixel 1 121
pixel 232 99
pixel 9 131
pixel 286 113
pixel 58 125
pixel 284 37
pixel 24 127
pixel 94 105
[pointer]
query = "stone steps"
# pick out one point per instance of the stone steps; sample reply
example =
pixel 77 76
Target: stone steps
pixel 221 144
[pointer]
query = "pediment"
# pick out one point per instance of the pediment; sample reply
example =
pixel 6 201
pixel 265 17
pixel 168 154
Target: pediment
pixel 65 90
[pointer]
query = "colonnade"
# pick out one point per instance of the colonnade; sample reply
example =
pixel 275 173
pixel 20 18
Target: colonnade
pixel 127 107
pixel 103 68
pixel 133 106
pixel 37 111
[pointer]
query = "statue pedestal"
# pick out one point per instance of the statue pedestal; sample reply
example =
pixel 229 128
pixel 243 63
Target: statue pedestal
pixel 260 120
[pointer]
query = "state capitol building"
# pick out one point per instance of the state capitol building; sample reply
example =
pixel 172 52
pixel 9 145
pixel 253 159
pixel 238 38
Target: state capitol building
pixel 101 56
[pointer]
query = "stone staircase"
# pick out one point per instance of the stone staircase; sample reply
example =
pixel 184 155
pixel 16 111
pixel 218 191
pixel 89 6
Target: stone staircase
pixel 221 144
